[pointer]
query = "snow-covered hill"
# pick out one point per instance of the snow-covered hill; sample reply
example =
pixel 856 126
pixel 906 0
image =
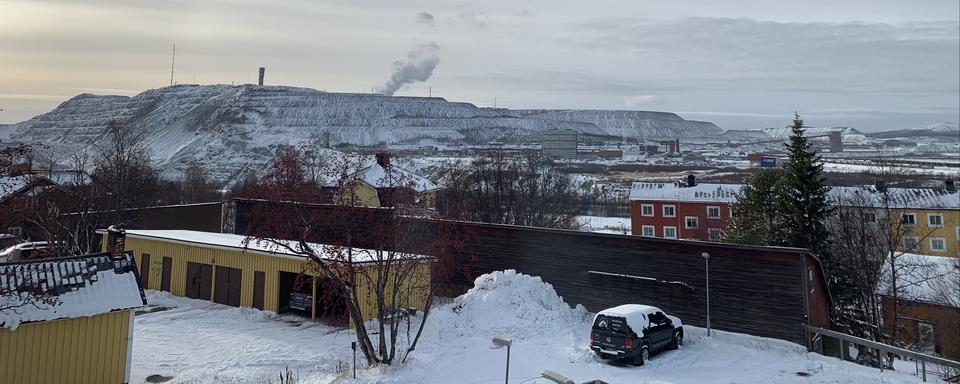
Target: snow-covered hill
pixel 234 128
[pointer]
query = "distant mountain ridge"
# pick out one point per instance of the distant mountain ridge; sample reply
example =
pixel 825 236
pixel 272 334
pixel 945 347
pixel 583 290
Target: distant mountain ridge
pixel 232 129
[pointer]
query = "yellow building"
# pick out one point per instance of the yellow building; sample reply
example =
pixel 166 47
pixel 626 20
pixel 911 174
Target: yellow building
pixel 77 329
pixel 930 231
pixel 382 184
pixel 926 220
pixel 221 268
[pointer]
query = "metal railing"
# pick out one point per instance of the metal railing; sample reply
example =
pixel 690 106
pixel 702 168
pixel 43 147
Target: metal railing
pixel 866 345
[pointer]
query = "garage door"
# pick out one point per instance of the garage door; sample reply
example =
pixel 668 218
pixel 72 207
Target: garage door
pixel 199 280
pixel 228 286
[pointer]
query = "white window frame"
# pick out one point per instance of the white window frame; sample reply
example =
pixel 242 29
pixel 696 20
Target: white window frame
pixel 652 228
pixel 916 241
pixel 931 216
pixel 665 232
pixel 711 231
pixel 664 210
pixel 686 222
pixel 719 212
pixel 904 215
pixel 643 210
pixel 942 241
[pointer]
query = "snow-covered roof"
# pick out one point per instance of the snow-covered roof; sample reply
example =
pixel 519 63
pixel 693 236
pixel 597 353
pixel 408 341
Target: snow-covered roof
pixel 262 246
pixel 917 198
pixel 377 176
pixel 928 279
pixel 71 287
pixel 12 184
pixel 704 192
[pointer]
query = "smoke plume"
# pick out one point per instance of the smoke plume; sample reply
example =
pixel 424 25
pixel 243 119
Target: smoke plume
pixel 418 66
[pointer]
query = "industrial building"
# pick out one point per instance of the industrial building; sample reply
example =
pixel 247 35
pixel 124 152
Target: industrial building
pixel 559 143
pixel 226 269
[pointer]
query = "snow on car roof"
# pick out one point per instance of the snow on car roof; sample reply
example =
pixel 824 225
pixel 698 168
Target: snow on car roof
pixel 636 314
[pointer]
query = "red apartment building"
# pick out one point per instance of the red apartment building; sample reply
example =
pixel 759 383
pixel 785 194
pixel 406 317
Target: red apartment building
pixel 681 211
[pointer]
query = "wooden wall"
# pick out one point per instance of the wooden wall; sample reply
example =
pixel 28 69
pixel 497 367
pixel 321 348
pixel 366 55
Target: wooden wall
pixel 83 350
pixel 247 262
pixel 757 290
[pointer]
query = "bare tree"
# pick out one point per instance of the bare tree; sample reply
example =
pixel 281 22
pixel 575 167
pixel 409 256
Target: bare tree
pixel 123 168
pixel 512 189
pixel 385 252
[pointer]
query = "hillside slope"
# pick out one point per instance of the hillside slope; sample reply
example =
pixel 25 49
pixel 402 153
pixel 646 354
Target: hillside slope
pixel 234 128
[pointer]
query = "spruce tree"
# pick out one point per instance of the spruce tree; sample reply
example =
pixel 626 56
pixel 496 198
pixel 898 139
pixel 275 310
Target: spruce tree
pixel 805 204
pixel 754 218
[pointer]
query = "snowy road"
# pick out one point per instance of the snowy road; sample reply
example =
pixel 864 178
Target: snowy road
pixel 201 342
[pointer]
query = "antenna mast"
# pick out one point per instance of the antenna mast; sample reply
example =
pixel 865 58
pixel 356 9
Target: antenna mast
pixel 173 60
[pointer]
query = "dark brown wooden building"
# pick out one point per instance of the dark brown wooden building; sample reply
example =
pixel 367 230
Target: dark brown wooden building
pixel 764 291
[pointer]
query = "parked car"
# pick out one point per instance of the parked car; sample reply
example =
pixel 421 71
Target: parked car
pixel 632 332
pixel 26 251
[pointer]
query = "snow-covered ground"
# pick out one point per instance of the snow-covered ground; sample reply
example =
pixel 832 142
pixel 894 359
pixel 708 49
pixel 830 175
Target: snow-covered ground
pixel 200 342
pixel 618 225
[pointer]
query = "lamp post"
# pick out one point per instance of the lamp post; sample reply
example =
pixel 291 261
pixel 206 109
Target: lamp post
pixel 706 259
pixel 500 341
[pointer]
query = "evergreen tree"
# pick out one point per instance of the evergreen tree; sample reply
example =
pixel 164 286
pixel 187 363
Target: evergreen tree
pixel 805 203
pixel 755 219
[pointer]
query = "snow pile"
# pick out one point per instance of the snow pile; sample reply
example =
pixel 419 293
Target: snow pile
pixel 520 306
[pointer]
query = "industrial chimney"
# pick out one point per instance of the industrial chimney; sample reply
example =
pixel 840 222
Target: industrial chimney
pixel 263 70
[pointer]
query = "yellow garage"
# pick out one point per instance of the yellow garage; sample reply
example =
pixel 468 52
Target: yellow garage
pixel 224 269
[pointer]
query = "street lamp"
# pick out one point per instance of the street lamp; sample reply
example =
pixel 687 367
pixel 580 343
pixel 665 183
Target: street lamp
pixel 706 259
pixel 556 377
pixel 501 341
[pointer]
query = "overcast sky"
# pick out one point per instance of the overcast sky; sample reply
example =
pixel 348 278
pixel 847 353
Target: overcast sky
pixel 868 64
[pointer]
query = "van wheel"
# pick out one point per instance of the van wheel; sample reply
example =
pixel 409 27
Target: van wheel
pixel 642 357
pixel 677 340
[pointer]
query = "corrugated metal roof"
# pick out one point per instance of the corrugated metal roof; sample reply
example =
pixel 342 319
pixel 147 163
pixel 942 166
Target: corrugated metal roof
pixel 50 289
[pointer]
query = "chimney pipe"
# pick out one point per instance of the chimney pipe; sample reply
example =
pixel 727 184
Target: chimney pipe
pixel 950 185
pixel 383 159
pixel 263 71
pixel 691 180
pixel 116 238
pixel 881 186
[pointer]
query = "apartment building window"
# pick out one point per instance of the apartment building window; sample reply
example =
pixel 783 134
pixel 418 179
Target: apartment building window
pixel 935 220
pixel 938 244
pixel 669 232
pixel 908 219
pixel 669 211
pixel 713 212
pixel 910 242
pixel 649 230
pixel 646 210
pixel 691 222
pixel 714 234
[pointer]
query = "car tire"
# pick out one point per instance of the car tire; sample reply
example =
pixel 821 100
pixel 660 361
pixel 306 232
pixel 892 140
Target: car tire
pixel 642 357
pixel 677 340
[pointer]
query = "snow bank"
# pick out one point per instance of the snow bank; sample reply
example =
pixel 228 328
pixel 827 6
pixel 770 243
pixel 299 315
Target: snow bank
pixel 515 305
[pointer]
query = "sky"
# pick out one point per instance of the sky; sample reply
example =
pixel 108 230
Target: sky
pixel 873 65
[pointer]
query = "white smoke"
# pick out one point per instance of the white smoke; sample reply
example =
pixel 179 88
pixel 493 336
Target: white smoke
pixel 418 66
